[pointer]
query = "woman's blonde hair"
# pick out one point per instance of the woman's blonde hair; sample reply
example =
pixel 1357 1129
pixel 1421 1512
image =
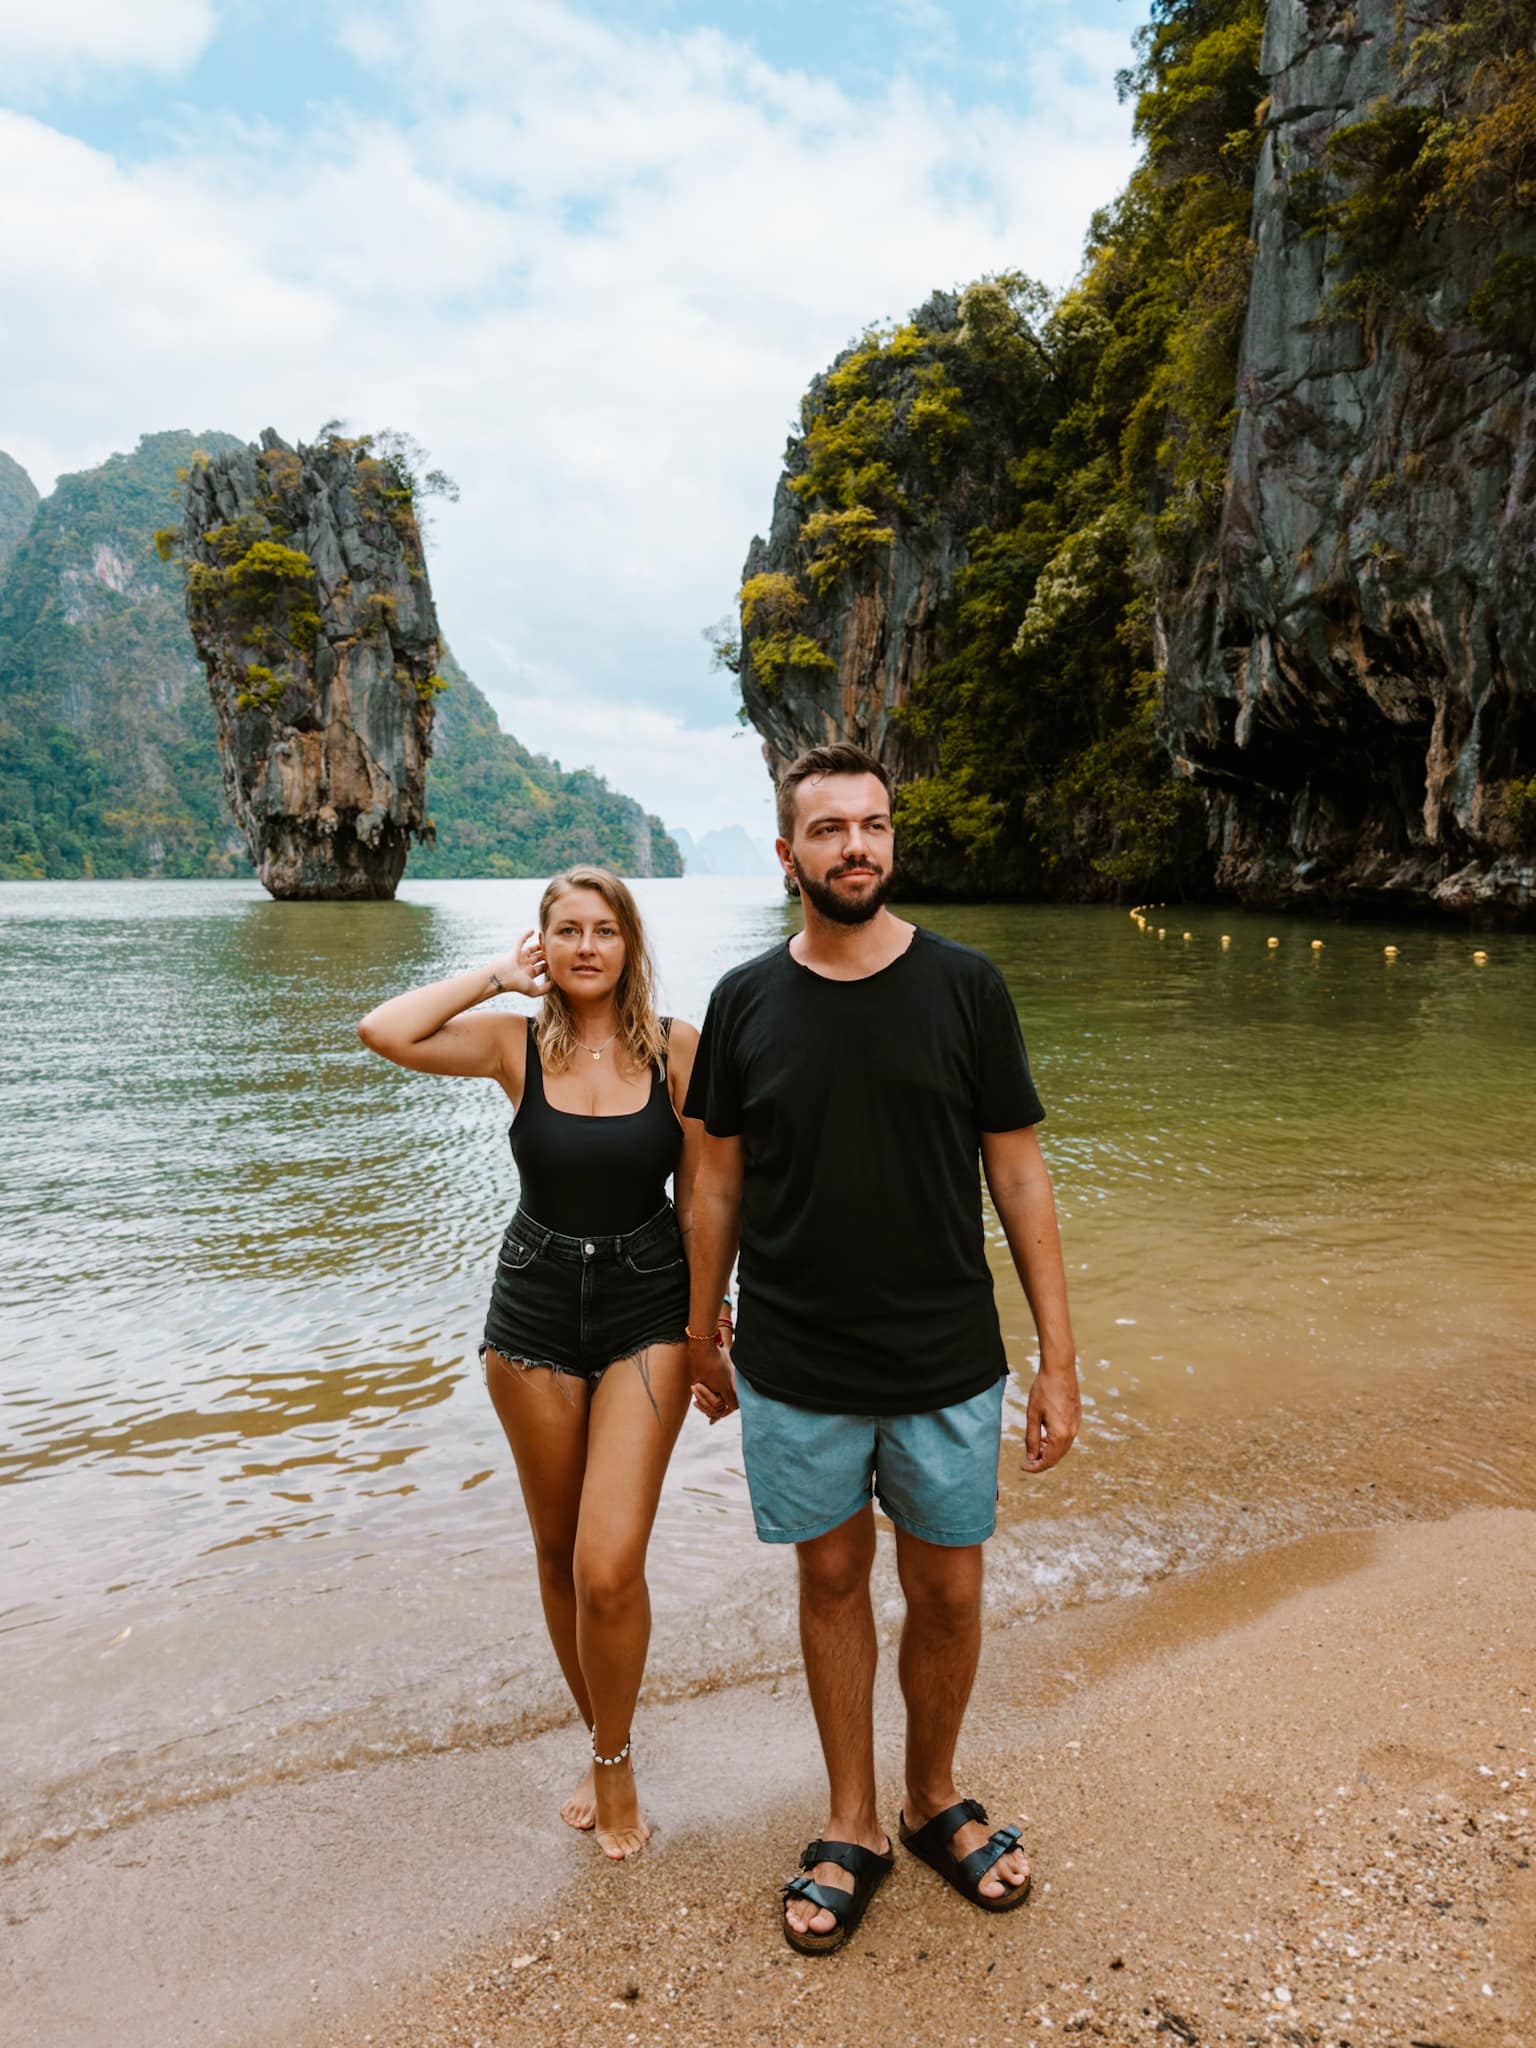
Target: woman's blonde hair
pixel 634 998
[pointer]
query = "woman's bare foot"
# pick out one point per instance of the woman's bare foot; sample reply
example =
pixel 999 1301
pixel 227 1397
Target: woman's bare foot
pixel 580 1810
pixel 620 1830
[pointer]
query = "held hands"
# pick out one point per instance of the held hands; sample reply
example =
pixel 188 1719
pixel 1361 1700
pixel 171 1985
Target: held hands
pixel 1055 1412
pixel 714 1376
pixel 522 972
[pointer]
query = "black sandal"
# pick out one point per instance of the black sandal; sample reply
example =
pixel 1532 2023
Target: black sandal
pixel 868 1871
pixel 932 1843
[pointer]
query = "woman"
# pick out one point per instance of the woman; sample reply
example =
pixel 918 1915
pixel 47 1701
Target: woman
pixel 585 1352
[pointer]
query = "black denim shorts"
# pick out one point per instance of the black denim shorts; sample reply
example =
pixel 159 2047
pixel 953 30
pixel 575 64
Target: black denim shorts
pixel 580 1304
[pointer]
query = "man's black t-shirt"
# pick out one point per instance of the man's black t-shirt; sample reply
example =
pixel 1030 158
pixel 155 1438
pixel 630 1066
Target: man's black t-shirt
pixel 864 1280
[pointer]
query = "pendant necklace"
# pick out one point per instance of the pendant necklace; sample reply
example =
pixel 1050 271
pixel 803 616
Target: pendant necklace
pixel 597 1051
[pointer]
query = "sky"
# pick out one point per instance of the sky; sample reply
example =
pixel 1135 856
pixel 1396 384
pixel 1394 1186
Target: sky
pixel 588 255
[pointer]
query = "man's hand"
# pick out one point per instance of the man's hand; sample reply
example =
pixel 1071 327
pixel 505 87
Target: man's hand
pixel 1054 1414
pixel 714 1379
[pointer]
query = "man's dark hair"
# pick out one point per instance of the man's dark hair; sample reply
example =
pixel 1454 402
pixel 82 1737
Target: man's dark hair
pixel 842 758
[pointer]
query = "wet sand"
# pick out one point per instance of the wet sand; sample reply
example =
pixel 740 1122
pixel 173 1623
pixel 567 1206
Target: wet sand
pixel 1285 1799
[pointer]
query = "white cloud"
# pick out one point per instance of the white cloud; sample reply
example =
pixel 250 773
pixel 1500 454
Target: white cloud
pixel 592 269
pixel 46 48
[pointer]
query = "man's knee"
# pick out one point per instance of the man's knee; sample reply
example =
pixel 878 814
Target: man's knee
pixel 835 1568
pixel 942 1586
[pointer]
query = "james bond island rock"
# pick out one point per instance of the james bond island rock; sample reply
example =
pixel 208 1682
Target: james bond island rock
pixel 109 750
pixel 309 604
pixel 1351 676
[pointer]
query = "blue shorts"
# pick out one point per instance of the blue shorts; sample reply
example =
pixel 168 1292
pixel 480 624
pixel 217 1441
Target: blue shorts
pixel 935 1475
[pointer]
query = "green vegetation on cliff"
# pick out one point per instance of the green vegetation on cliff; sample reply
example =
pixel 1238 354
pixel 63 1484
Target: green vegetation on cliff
pixel 1056 468
pixel 1077 448
pixel 499 810
pixel 109 762
pixel 1456 143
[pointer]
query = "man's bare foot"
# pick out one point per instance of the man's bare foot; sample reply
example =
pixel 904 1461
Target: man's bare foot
pixel 801 1914
pixel 580 1810
pixel 620 1830
pixel 1006 1874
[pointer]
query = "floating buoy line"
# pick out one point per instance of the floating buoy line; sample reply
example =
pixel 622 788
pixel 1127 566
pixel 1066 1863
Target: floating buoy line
pixel 1140 919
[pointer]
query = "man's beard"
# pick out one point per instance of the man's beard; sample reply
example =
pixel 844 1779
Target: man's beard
pixel 845 909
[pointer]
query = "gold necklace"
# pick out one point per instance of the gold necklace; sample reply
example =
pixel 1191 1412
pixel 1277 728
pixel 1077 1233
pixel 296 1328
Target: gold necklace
pixel 597 1051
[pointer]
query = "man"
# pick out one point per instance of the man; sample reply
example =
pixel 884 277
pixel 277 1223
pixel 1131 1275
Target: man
pixel 847 1082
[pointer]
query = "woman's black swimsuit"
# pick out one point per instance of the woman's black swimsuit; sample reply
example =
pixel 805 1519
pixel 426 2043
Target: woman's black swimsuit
pixel 591 1268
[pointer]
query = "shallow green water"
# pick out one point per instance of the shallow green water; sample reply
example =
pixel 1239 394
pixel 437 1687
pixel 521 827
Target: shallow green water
pixel 256 1514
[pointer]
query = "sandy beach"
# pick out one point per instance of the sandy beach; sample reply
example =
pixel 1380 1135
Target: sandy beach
pixel 1284 1799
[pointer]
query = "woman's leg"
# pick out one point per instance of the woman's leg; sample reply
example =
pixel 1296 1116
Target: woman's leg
pixel 637 1410
pixel 544 1414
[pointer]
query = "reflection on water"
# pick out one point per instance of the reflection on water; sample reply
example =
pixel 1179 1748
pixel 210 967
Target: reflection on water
pixel 258 1515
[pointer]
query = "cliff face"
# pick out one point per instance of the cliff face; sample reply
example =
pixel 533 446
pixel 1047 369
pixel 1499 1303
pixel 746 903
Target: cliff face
pixel 18 503
pixel 1352 675
pixel 309 604
pixel 1215 572
pixel 843 629
pixel 948 581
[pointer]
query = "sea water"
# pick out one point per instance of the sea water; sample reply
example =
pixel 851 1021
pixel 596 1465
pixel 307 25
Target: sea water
pixel 256 1516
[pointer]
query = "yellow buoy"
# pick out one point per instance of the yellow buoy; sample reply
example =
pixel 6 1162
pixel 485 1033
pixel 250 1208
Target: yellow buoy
pixel 1317 945
pixel 1272 942
pixel 1161 933
pixel 1479 957
pixel 1189 935
pixel 1226 938
pixel 1390 951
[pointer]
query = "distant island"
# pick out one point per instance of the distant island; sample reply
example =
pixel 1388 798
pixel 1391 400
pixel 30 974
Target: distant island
pixel 728 850
pixel 109 761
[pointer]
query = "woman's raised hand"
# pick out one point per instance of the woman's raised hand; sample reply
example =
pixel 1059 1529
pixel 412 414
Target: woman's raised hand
pixel 522 971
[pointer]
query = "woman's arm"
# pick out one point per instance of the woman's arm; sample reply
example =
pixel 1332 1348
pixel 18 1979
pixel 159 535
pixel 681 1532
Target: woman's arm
pixel 682 1044
pixel 427 1031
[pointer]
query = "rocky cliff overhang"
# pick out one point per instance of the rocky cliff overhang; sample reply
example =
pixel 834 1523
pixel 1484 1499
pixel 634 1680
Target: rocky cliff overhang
pixel 1352 676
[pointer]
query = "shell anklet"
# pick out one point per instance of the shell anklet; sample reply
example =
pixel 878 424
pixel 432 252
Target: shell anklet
pixel 623 1753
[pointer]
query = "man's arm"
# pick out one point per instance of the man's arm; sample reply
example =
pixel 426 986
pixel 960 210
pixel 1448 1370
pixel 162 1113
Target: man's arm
pixel 711 1254
pixel 1020 1188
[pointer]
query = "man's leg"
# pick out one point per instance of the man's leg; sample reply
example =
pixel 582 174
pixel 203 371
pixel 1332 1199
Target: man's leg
pixel 837 1637
pixel 940 1643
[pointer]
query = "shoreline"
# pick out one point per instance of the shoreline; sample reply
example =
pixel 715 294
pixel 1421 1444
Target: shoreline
pixel 164 1708
pixel 1295 1772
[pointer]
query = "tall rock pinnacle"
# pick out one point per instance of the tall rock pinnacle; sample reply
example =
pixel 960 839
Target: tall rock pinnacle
pixel 308 599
